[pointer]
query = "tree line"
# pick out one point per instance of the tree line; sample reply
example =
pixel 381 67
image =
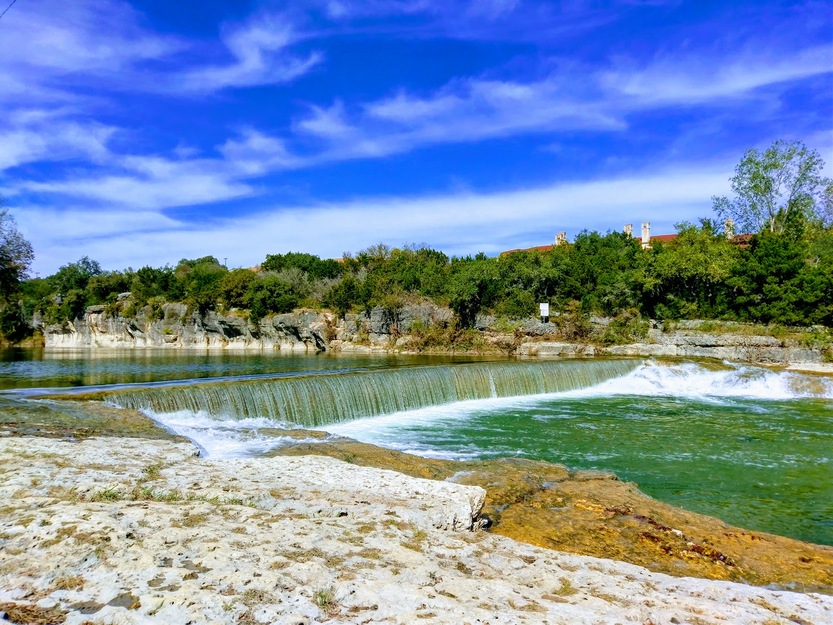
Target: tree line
pixel 781 274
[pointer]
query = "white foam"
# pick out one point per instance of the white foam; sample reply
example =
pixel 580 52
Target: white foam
pixel 691 380
pixel 221 437
pixel 225 436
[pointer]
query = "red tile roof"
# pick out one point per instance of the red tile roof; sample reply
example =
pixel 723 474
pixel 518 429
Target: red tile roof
pixel 540 248
pixel 665 238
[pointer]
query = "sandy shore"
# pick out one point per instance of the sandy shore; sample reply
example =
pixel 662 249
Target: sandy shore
pixel 142 531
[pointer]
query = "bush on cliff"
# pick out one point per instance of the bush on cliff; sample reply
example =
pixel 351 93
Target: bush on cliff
pixel 270 294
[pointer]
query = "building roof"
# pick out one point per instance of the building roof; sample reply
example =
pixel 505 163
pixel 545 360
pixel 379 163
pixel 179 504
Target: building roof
pixel 665 238
pixel 539 248
pixel 741 240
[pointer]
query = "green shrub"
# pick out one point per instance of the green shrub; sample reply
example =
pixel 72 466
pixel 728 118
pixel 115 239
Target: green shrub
pixel 626 327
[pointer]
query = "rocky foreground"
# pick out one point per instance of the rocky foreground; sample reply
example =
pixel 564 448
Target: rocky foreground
pixel 109 530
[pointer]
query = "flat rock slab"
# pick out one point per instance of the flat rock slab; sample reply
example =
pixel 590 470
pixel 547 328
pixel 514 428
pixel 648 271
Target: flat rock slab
pixel 112 468
pixel 126 531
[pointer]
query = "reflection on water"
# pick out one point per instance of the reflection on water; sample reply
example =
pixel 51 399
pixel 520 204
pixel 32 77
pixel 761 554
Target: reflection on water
pixel 30 368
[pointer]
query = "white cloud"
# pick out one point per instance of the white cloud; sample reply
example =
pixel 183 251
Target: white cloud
pixel 63 236
pixel 260 56
pixel 462 111
pixel 697 80
pixel 151 182
pixel 37 137
pixel 327 123
pixel 255 153
pixel 345 9
pixel 48 45
pixel 460 223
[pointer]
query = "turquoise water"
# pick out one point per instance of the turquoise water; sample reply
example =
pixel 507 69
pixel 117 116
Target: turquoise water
pixel 751 446
pixel 748 445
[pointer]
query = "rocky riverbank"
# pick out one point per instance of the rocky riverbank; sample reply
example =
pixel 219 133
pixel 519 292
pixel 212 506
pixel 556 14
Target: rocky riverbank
pixel 106 530
pixel 173 326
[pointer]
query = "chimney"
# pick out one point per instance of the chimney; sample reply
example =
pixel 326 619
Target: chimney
pixel 560 238
pixel 729 229
pixel 629 230
pixel 646 234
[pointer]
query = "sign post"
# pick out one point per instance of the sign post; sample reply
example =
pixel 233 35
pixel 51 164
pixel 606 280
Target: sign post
pixel 545 312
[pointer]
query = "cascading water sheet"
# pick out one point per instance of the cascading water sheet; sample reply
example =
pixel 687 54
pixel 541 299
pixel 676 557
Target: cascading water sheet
pixel 316 401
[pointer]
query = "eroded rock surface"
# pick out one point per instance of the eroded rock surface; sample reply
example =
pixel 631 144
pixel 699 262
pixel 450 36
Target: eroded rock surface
pixel 596 514
pixel 119 530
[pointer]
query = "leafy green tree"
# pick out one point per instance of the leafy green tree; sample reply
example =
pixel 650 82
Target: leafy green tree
pixel 75 276
pixel 151 282
pixel 234 287
pixel 200 279
pixel 106 286
pixel 315 267
pixel 270 294
pixel 343 295
pixel 686 278
pixel 770 185
pixel 603 269
pixel 776 284
pixel 473 287
pixel 16 255
pixel 522 281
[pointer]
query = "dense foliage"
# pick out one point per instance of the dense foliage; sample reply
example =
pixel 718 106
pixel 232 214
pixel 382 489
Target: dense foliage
pixel 782 278
pixel 15 257
pixel 783 273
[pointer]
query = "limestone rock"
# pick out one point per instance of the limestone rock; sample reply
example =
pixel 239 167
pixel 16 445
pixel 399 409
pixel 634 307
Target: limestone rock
pixel 119 531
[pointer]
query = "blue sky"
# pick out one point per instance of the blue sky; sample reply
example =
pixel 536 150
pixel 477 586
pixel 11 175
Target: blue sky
pixel 144 132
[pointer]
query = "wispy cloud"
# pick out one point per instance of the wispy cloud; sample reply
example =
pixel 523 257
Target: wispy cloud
pixel 35 135
pixel 255 154
pixel 499 20
pixel 463 111
pixel 260 56
pixel 151 182
pixel 569 99
pixel 689 79
pixel 469 222
pixel 51 46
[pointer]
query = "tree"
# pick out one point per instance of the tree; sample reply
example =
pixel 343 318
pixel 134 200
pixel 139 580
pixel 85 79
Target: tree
pixel 270 294
pixel 75 276
pixel 686 278
pixel 769 185
pixel 234 287
pixel 16 255
pixel 200 279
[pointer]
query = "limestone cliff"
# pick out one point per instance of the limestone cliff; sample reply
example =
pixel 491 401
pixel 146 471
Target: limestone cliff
pixel 173 326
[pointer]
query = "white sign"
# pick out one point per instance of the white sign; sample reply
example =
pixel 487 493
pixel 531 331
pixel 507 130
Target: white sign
pixel 545 309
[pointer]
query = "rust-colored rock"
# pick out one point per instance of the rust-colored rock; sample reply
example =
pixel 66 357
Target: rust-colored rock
pixel 592 513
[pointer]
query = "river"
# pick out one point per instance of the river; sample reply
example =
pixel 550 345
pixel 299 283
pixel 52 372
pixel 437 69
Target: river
pixel 749 445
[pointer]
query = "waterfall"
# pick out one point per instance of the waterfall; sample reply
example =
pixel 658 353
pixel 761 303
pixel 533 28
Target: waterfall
pixel 313 401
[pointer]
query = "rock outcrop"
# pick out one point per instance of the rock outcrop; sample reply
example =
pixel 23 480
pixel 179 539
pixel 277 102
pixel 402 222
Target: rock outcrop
pixel 173 326
pixel 689 342
pixel 114 530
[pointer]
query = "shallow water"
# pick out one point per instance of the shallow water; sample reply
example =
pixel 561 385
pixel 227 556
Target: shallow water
pixel 749 445
pixel 28 368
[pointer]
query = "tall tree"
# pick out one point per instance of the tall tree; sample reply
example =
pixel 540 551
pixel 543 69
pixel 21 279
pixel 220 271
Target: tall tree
pixel 16 255
pixel 769 185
